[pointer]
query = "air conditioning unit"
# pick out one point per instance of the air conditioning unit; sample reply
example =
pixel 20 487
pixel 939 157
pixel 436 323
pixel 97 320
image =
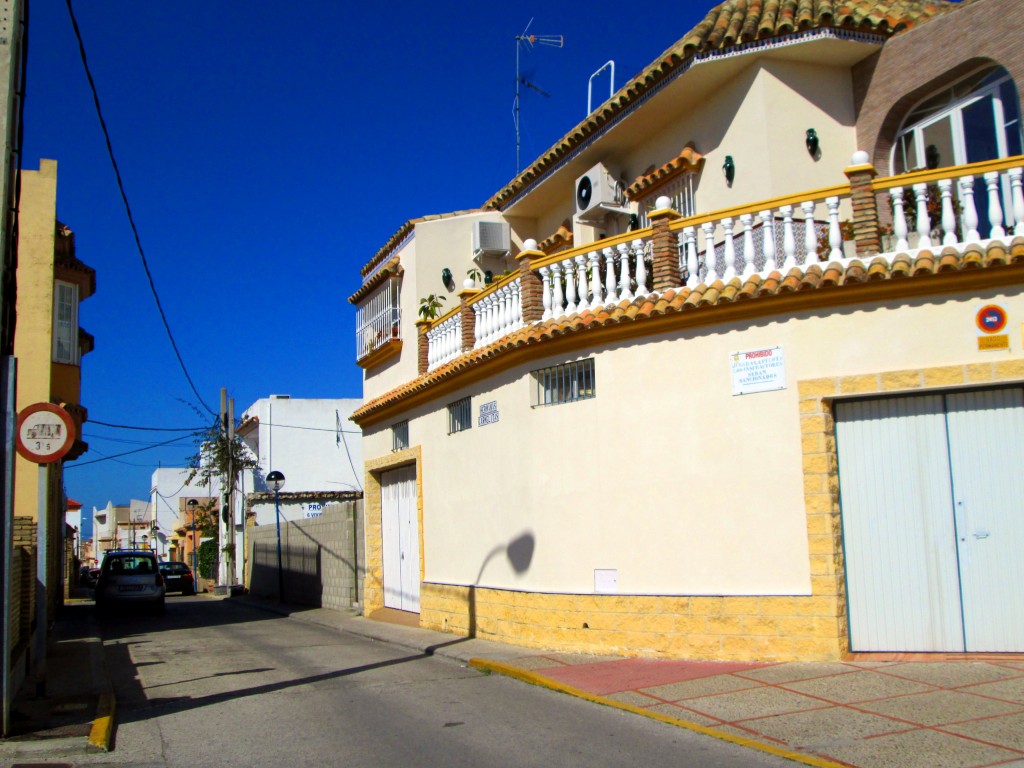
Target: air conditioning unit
pixel 491 238
pixel 599 193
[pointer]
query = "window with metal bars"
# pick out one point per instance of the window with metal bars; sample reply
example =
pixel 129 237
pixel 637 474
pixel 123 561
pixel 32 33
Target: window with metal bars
pixel 565 383
pixel 400 436
pixel 460 415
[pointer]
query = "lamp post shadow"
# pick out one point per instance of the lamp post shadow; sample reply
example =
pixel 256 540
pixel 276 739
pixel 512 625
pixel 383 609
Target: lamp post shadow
pixel 520 554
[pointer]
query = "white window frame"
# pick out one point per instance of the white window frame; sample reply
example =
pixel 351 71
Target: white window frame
pixel 65 328
pixel 954 113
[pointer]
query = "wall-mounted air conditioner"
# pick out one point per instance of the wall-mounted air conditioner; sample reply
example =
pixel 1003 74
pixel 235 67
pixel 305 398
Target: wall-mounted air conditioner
pixel 599 193
pixel 491 238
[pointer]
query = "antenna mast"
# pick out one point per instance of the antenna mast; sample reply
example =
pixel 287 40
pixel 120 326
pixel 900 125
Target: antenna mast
pixel 552 41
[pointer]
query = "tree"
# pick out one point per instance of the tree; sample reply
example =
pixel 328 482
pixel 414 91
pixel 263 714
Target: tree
pixel 215 456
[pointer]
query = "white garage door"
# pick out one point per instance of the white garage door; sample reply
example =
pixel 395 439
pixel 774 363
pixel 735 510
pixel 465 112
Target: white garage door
pixel 932 497
pixel 401 539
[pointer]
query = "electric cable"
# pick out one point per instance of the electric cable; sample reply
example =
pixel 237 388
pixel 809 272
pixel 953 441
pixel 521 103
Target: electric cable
pixel 147 429
pixel 128 210
pixel 76 465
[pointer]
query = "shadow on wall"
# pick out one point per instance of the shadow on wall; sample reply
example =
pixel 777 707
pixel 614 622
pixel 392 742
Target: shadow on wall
pixel 519 552
pixel 301 573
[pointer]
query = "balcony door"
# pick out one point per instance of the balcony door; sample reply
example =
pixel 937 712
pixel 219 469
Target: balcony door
pixel 401 539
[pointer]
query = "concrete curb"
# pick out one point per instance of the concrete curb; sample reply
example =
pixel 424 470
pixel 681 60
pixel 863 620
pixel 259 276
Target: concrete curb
pixel 509 670
pixel 103 726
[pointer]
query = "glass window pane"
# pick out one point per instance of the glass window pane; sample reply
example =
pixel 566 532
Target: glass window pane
pixel 938 144
pixel 980 131
pixel 1011 116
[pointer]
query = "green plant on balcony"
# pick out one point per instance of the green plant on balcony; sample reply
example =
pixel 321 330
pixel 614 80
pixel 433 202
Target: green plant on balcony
pixel 475 275
pixel 430 306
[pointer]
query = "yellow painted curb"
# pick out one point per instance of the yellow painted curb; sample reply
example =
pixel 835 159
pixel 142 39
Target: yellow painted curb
pixel 103 725
pixel 545 682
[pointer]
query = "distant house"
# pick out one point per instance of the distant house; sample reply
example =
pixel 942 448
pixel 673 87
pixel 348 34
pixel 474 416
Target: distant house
pixel 740 374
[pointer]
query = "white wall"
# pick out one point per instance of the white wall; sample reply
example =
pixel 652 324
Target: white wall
pixel 664 475
pixel 300 437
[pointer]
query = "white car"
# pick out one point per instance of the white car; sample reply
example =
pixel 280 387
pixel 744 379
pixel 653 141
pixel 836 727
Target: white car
pixel 129 577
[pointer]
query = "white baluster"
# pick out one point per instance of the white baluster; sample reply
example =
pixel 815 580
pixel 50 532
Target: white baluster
pixel 788 238
pixel 768 240
pixel 810 233
pixel 545 279
pixel 478 325
pixel 969 210
pixel 747 220
pixel 995 206
pixel 641 267
pixel 595 280
pixel 500 314
pixel 924 221
pixel 557 297
pixel 899 219
pixel 625 292
pixel 692 265
pixel 570 286
pixel 710 265
pixel 609 282
pixel 729 251
pixel 581 277
pixel 948 216
pixel 835 232
pixel 517 303
pixel 1017 195
pixel 484 332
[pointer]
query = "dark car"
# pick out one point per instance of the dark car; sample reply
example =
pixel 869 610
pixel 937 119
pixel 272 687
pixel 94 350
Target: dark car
pixel 87 576
pixel 178 578
pixel 129 577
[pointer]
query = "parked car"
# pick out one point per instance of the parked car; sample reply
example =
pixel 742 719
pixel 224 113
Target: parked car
pixel 88 575
pixel 178 578
pixel 129 577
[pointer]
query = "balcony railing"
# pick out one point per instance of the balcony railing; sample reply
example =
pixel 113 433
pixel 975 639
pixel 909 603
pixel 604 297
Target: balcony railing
pixel 865 219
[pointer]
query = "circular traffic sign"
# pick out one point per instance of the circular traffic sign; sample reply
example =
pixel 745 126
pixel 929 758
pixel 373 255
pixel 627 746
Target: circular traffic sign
pixel 991 318
pixel 45 433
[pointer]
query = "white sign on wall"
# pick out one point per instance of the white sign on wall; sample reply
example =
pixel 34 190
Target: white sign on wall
pixel 758 370
pixel 488 413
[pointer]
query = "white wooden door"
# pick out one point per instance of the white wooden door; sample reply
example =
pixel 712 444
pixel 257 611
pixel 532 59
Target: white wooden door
pixel 932 500
pixel 401 541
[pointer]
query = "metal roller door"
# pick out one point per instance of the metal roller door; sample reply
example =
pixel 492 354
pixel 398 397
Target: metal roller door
pixel 932 498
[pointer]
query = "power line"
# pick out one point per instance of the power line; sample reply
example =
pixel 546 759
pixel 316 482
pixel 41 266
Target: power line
pixel 76 465
pixel 128 210
pixel 147 429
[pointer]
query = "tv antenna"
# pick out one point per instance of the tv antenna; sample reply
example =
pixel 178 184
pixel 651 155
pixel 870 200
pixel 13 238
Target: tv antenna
pixel 528 41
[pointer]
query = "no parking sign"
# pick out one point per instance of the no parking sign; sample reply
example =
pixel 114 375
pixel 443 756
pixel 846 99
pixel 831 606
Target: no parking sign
pixel 990 320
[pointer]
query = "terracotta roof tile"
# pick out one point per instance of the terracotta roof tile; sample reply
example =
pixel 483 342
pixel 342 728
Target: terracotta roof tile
pixel 705 298
pixel 392 268
pixel 687 160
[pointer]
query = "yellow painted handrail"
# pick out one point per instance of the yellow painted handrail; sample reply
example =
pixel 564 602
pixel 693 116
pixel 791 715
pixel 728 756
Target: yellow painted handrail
pixel 628 237
pixel 950 172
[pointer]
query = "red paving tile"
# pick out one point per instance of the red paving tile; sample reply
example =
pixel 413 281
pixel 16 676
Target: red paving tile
pixel 606 677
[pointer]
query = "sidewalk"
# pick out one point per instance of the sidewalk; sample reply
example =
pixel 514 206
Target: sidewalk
pixel 911 713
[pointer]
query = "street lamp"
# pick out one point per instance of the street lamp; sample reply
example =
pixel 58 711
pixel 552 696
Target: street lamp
pixel 275 481
pixel 192 504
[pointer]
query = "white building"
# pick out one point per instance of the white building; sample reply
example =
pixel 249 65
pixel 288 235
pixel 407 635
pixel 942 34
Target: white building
pixel 312 442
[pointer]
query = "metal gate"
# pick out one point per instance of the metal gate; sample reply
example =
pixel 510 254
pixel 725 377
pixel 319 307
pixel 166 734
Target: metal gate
pixel 401 539
pixel 932 498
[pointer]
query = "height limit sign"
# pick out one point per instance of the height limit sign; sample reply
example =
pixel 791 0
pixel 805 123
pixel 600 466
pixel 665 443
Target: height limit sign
pixel 45 433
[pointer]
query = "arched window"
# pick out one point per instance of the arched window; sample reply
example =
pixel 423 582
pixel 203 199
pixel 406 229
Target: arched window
pixel 976 119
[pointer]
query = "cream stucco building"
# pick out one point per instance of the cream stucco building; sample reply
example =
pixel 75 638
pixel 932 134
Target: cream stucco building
pixel 747 378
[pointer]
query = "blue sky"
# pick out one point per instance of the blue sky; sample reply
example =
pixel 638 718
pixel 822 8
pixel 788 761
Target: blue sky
pixel 268 151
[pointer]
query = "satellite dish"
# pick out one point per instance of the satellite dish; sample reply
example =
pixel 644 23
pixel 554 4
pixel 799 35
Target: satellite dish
pixel 584 192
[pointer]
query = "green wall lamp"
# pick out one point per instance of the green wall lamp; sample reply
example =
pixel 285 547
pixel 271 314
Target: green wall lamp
pixel 812 142
pixel 729 169
pixel 446 277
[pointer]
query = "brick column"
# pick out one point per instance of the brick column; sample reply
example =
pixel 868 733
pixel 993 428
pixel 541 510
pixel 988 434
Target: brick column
pixel 665 248
pixel 466 296
pixel 865 205
pixel 533 301
pixel 423 348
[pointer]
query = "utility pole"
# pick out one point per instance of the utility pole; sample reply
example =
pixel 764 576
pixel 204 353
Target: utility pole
pixel 226 524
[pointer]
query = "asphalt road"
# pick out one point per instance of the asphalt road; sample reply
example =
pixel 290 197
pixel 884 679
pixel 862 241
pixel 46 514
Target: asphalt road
pixel 219 683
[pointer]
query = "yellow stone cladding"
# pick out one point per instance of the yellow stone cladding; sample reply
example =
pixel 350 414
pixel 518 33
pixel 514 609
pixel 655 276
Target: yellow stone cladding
pixel 771 628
